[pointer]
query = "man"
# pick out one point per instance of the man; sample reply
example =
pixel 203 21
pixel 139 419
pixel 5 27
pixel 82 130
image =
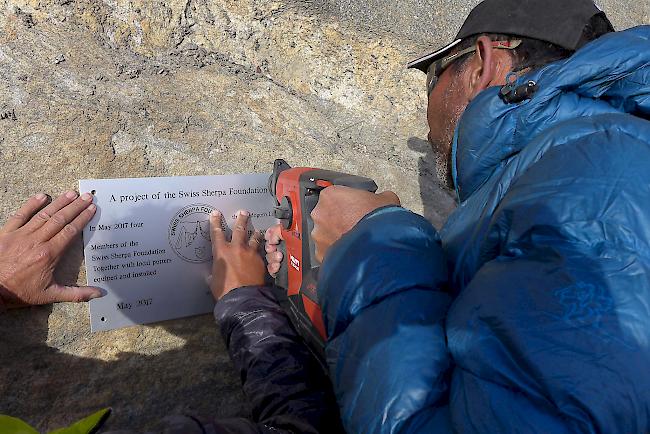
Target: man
pixel 539 322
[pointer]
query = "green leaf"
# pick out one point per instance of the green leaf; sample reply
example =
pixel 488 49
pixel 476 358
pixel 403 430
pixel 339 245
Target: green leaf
pixel 89 425
pixel 12 425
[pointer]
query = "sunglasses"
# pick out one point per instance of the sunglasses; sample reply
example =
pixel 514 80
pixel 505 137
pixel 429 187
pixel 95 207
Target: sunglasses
pixel 438 67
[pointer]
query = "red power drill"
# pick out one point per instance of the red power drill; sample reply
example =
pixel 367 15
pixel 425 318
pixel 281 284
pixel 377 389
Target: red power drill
pixel 296 191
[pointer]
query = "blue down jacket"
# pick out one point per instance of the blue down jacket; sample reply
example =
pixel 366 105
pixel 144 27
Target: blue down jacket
pixel 540 322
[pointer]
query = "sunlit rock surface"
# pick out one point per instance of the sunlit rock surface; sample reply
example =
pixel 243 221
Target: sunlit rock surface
pixel 114 88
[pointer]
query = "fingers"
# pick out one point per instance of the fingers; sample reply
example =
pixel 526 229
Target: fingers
pixel 274 262
pixel 69 231
pixel 25 212
pixel 62 218
pixel 273 269
pixel 391 197
pixel 274 257
pixel 217 233
pixel 75 294
pixel 273 235
pixel 46 213
pixel 239 233
pixel 256 241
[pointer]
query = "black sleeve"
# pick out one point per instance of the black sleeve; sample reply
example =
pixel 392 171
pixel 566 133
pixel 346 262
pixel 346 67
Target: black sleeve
pixel 287 386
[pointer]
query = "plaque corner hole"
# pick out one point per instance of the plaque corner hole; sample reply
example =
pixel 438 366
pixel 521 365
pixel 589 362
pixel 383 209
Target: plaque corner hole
pixel 103 319
pixel 93 192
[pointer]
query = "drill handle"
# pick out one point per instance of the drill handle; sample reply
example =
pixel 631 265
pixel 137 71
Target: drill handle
pixel 319 179
pixel 357 182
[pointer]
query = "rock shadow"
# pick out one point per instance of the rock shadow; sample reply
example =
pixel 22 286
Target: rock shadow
pixel 438 201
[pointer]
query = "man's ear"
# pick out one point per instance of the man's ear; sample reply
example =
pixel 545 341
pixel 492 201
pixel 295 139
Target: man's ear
pixel 481 68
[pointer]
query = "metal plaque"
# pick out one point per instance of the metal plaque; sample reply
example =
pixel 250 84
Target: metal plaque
pixel 148 246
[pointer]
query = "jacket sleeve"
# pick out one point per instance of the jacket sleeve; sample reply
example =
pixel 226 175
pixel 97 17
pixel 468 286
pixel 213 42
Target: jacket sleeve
pixel 287 386
pixel 382 287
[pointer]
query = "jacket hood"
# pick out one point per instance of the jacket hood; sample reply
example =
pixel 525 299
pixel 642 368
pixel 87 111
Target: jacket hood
pixel 609 75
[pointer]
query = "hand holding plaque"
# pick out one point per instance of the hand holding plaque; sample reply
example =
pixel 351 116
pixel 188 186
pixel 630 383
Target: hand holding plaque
pixel 31 244
pixel 237 263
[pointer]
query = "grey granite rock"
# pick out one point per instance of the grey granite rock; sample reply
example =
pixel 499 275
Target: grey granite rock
pixel 117 88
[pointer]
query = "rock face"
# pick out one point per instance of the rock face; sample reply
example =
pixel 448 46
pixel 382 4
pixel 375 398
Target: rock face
pixel 115 88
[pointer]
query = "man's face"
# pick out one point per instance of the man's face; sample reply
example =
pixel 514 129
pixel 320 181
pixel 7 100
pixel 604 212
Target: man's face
pixel 447 103
pixel 456 87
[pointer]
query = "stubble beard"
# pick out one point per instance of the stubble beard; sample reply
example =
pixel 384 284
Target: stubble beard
pixel 443 170
pixel 442 148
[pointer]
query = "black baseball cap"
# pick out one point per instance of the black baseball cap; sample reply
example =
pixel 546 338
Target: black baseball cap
pixel 560 22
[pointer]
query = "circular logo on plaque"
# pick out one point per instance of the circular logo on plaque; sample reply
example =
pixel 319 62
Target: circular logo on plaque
pixel 189 233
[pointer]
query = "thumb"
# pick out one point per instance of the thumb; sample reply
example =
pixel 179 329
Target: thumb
pixel 75 294
pixel 390 197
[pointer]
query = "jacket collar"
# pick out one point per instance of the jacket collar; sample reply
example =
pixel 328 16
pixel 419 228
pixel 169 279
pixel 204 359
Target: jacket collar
pixel 609 75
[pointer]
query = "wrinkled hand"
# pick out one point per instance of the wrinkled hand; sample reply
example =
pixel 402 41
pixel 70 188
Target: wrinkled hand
pixel 31 244
pixel 236 263
pixel 273 236
pixel 339 209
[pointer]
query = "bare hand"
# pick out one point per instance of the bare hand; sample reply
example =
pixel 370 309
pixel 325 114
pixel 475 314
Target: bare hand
pixel 238 263
pixel 274 257
pixel 339 209
pixel 32 243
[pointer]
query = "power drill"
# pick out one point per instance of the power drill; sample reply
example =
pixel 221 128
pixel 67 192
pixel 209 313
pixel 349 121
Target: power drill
pixel 296 191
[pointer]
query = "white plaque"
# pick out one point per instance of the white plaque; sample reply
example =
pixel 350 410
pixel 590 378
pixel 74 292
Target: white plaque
pixel 148 245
